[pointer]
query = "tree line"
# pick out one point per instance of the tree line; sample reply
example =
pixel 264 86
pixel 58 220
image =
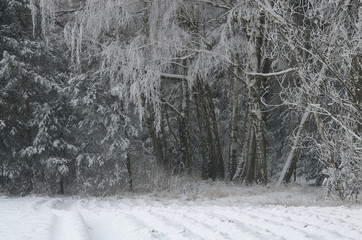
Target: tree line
pixel 105 96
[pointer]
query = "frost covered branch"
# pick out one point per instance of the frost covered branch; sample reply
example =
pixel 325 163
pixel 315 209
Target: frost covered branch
pixel 175 76
pixel 273 74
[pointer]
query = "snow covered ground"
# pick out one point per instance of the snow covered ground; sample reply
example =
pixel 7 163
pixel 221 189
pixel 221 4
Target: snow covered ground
pixel 220 213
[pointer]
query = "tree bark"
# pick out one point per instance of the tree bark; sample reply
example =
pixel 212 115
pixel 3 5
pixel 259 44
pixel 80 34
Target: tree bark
pixel 291 162
pixel 184 127
pixel 166 160
pixel 149 121
pixel 212 164
pixel 129 170
pixel 61 186
pixel 234 135
pixel 253 166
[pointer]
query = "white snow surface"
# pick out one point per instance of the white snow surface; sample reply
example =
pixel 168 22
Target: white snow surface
pixel 216 215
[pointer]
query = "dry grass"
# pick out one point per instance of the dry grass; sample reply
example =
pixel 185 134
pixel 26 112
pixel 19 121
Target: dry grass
pixel 286 195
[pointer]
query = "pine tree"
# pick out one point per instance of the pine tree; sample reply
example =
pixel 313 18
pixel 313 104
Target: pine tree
pixel 33 134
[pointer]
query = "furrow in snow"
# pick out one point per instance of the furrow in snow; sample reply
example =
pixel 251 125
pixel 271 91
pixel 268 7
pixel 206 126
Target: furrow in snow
pixel 128 224
pixel 344 216
pixel 321 223
pixel 46 204
pixel 161 226
pixel 68 225
pixel 38 203
pixel 19 221
pixel 170 220
pixel 147 225
pixel 243 225
pixel 289 220
pixel 208 227
pixel 277 228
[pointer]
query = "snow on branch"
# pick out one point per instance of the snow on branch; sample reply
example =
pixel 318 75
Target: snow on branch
pixel 271 74
pixel 267 6
pixel 66 11
pixel 175 76
pixel 214 4
pixel 340 123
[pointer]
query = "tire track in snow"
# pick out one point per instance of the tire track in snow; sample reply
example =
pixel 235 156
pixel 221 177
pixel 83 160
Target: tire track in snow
pixel 240 225
pixel 342 217
pixel 152 227
pixel 208 227
pixel 197 225
pixel 105 225
pixel 46 204
pixel 132 223
pixel 37 204
pixel 324 224
pixel 128 220
pixel 169 219
pixel 291 222
pixel 68 225
pixel 269 225
pixel 166 227
pixel 315 224
pixel 19 220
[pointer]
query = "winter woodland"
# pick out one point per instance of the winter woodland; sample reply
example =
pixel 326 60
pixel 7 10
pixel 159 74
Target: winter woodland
pixel 105 96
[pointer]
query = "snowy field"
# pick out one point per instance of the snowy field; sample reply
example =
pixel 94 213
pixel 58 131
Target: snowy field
pixel 219 213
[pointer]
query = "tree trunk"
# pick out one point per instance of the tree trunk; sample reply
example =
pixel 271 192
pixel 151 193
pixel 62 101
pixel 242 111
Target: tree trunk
pixel 166 160
pixel 149 120
pixel 155 139
pixel 234 135
pixel 184 127
pixel 253 166
pixel 260 148
pixel 129 170
pixel 28 134
pixel 61 186
pixel 212 164
pixel 291 162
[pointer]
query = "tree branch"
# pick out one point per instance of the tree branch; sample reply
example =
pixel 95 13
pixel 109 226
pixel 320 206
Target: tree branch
pixel 62 12
pixel 215 4
pixel 235 75
pixel 271 74
pixel 175 76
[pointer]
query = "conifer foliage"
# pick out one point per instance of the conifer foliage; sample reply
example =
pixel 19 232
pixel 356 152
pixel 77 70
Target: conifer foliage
pixel 104 96
pixel 35 140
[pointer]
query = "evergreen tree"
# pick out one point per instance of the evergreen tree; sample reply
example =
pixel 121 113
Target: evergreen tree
pixel 35 144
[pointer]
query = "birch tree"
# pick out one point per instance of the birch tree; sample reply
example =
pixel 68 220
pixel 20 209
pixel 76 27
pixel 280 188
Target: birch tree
pixel 242 39
pixel 324 53
pixel 141 45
